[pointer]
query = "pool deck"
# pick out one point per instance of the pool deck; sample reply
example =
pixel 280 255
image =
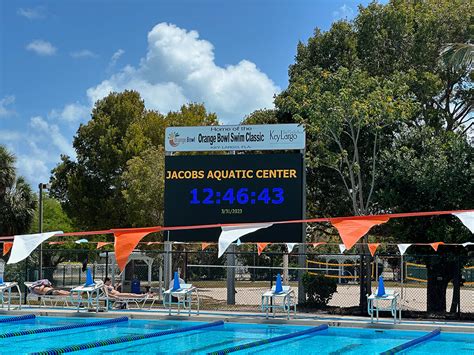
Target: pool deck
pixel 305 319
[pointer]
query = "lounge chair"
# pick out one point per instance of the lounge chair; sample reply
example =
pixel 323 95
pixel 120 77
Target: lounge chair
pixel 286 297
pixel 6 287
pixel 181 297
pixel 94 294
pixel 126 302
pixel 53 300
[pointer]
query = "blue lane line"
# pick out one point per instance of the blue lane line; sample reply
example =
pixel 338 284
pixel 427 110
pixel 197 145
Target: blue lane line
pixel 65 327
pixel 269 340
pixel 413 342
pixel 17 319
pixel 124 339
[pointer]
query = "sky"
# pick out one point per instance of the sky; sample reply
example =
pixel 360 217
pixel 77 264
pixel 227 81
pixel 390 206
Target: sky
pixel 59 57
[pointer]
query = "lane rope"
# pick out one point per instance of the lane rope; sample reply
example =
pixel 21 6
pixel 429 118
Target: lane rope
pixel 125 338
pixel 269 340
pixel 65 327
pixel 17 318
pixel 412 342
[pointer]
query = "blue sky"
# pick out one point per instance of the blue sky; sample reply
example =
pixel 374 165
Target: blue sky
pixel 58 57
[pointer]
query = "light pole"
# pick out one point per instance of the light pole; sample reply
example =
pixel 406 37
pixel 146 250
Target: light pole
pixel 41 186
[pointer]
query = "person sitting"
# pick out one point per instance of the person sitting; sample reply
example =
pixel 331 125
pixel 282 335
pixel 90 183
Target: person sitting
pixel 113 293
pixel 45 288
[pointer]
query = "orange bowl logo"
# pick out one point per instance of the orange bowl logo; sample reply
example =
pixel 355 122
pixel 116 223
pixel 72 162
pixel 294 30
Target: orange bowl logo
pixel 172 138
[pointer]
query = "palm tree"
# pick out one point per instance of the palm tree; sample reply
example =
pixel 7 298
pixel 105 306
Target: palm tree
pixel 458 55
pixel 7 169
pixel 17 200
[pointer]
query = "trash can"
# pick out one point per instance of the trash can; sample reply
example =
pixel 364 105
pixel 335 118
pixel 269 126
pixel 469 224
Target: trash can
pixel 135 286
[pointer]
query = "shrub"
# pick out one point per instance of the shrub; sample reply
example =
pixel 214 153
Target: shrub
pixel 318 289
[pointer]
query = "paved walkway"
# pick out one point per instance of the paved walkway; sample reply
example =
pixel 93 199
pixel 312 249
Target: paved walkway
pixel 414 299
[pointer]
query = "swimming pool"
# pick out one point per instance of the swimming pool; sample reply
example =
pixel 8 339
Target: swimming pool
pixel 334 340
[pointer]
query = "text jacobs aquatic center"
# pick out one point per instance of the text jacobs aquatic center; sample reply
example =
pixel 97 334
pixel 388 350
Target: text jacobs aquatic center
pixel 232 174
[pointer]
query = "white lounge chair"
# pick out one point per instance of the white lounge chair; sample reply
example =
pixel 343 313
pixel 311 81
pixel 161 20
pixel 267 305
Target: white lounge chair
pixel 287 300
pixel 389 302
pixel 7 287
pixel 184 297
pixel 53 300
pixel 127 302
pixel 94 294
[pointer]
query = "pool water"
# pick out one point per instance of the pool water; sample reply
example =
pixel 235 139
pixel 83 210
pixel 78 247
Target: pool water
pixel 331 341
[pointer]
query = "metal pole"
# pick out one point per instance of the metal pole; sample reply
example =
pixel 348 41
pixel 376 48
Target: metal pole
pixel 402 274
pixel 230 261
pixel 285 268
pixel 107 266
pixel 185 272
pixel 168 262
pixel 302 247
pixel 40 227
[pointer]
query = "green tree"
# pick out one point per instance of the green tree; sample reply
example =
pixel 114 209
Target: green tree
pixel 97 190
pixel 402 36
pixel 143 178
pixel 144 187
pixel 17 201
pixel 90 188
pixel 396 45
pixel 349 116
pixel 54 218
pixel 427 172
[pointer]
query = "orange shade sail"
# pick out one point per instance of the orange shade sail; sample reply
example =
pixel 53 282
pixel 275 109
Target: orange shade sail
pixel 102 244
pixel 205 245
pixel 6 247
pixel 351 230
pixel 436 245
pixel 56 243
pixel 373 247
pixel 126 240
pixel 260 247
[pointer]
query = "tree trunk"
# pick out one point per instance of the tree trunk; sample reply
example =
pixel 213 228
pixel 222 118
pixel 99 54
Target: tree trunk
pixel 456 302
pixel 440 272
pixel 365 272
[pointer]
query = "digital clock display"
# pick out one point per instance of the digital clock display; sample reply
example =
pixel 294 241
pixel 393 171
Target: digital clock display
pixel 249 188
pixel 240 196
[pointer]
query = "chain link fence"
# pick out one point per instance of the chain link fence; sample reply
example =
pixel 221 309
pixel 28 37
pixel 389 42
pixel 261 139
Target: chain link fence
pixel 254 274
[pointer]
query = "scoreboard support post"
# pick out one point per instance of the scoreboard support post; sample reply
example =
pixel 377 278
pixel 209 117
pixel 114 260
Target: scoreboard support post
pixel 302 248
pixel 230 262
pixel 167 260
pixel 168 272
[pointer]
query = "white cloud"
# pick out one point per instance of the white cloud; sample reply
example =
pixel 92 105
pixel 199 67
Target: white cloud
pixel 115 57
pixel 4 102
pixel 9 136
pixel 84 53
pixel 179 67
pixel 71 113
pixel 34 169
pixel 32 13
pixel 41 47
pixel 53 133
pixel 344 12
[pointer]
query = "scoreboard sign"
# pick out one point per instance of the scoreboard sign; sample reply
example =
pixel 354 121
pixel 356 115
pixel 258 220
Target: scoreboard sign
pixel 210 189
